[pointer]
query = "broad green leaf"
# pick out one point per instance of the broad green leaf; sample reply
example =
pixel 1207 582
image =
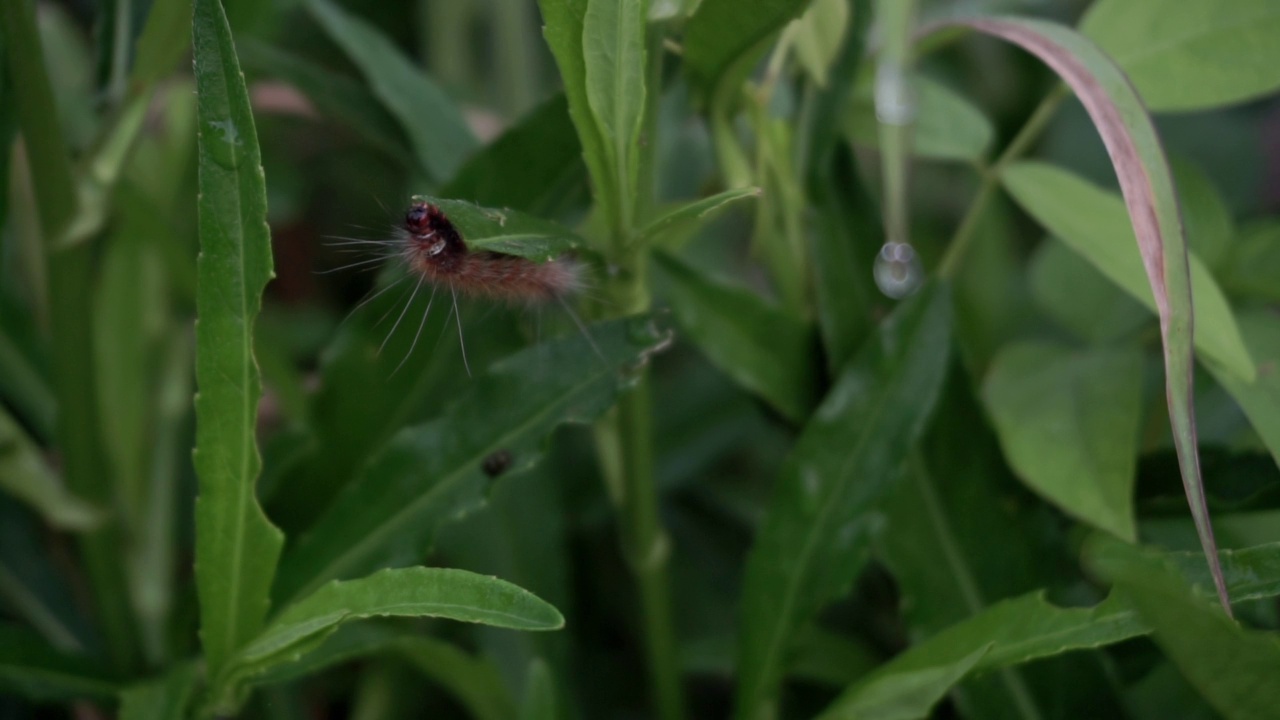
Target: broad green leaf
pixel 334 96
pixel 761 347
pixel 436 129
pixel 1260 399
pixel 1232 667
pixel 613 46
pixel 25 475
pixel 906 693
pixel 1069 289
pixel 947 125
pixel 32 669
pixel 1093 222
pixel 539 694
pixel 405 592
pixel 688 216
pixel 432 472
pixel 1130 138
pixel 1068 421
pixel 506 231
pixel 563 24
pixel 236 546
pixel 1190 54
pixel 164 698
pixel 535 167
pixel 817 533
pixel 1253 262
pixel 474 681
pixel 725 33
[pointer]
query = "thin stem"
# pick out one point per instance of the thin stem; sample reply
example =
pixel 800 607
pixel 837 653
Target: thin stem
pixel 625 438
pixel 1021 142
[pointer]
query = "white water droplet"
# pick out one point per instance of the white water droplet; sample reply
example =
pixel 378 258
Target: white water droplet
pixel 897 270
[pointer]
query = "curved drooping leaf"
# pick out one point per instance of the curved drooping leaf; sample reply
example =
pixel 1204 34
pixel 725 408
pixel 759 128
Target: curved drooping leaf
pixel 1147 185
pixel 817 533
pixel 236 546
pixel 1190 54
pixel 761 347
pixel 436 129
pixel 1068 420
pixel 431 472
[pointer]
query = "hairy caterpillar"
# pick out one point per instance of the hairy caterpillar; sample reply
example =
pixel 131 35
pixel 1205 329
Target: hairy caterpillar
pixel 434 252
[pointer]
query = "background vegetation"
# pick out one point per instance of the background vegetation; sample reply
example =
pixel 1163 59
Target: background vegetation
pixel 887 407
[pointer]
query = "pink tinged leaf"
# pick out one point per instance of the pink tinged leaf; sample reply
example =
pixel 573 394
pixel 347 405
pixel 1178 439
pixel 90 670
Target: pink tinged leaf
pixel 1147 185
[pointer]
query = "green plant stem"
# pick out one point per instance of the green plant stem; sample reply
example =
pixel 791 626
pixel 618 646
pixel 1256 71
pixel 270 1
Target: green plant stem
pixel 70 273
pixel 625 440
pixel 1021 142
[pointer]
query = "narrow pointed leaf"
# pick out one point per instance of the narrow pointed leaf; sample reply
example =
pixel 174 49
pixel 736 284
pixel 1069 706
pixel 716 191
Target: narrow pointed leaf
pixel 817 533
pixel 431 472
pixel 761 347
pixel 1147 185
pixel 906 693
pixel 690 215
pixel 25 476
pixel 436 129
pixel 613 46
pixel 236 546
pixel 1232 667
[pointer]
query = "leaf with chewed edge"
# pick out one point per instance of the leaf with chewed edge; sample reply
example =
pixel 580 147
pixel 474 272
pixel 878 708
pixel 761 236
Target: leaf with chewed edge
pixel 510 232
pixel 1147 184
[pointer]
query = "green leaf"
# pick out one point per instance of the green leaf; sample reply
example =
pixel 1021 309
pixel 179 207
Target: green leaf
pixel 25 475
pixel 163 42
pixel 1190 54
pixel 32 669
pixel 1253 262
pixel 439 135
pixel 817 533
pixel 535 166
pixel 1069 289
pixel 613 46
pixel 906 693
pixel 510 232
pixel 689 216
pixel 406 592
pixel 164 698
pixel 1093 222
pixel 1233 668
pixel 432 472
pixel 539 694
pixel 236 546
pixel 818 35
pixel 724 33
pixel 1143 172
pixel 349 642
pixel 335 96
pixel 947 125
pixel 474 681
pixel 761 347
pixel 1260 399
pixel 563 23
pixel 1068 421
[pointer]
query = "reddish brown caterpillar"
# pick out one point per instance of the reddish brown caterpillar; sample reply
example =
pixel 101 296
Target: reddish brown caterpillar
pixel 436 254
pixel 435 250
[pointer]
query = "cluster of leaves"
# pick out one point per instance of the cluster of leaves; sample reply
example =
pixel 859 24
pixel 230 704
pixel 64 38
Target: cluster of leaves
pixel 830 504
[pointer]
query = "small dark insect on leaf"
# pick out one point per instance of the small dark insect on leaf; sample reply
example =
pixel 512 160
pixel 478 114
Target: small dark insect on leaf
pixel 497 463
